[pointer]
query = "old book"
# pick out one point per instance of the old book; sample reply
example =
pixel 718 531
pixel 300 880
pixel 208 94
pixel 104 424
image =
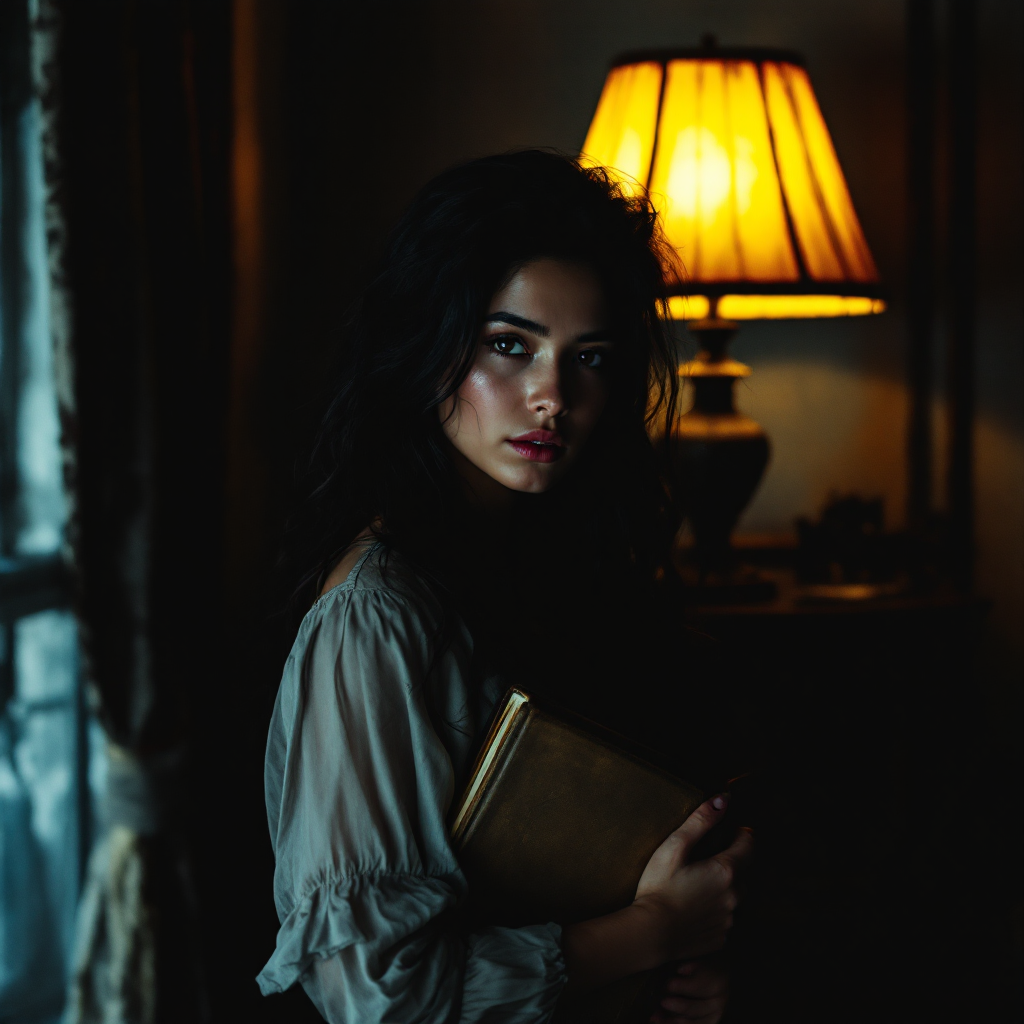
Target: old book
pixel 557 823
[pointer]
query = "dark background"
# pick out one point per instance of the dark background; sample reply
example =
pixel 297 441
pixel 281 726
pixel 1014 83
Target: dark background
pixel 234 168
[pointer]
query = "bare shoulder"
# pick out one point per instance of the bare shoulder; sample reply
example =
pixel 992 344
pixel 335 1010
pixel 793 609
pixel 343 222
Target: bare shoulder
pixel 347 563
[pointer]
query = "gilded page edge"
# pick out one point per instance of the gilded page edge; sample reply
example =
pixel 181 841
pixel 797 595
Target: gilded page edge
pixel 485 765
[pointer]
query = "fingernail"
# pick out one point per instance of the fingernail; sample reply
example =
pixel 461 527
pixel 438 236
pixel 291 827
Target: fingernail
pixel 719 802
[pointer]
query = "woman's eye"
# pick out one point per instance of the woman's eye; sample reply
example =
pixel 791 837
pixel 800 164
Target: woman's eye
pixel 591 357
pixel 508 345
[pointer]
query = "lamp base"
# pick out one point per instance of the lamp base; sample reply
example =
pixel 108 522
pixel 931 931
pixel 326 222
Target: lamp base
pixel 717 457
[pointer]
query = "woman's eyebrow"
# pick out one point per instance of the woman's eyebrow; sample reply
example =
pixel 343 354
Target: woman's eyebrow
pixel 592 336
pixel 518 321
pixel 513 320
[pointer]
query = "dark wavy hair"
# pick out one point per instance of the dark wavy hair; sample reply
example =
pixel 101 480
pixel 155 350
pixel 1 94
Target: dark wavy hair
pixel 382 456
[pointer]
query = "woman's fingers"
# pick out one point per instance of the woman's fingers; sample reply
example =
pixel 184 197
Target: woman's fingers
pixel 696 992
pixel 698 979
pixel 692 903
pixel 671 857
pixel 700 823
pixel 740 851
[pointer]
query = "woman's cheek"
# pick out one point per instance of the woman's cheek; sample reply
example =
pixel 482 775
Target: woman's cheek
pixel 491 394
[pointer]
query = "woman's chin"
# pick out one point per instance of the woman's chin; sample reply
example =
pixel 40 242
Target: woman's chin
pixel 532 480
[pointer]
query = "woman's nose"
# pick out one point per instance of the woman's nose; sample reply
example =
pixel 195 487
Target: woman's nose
pixel 546 393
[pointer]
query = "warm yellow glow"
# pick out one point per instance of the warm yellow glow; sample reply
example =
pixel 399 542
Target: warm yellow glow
pixel 827 231
pixel 785 307
pixel 714 178
pixel 746 180
pixel 772 307
pixel 621 136
pixel 688 307
pixel 851 245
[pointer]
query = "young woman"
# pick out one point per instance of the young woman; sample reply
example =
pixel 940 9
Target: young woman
pixel 488 501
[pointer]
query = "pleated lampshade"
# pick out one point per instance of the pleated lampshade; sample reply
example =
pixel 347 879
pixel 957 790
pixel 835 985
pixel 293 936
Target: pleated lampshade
pixel 735 153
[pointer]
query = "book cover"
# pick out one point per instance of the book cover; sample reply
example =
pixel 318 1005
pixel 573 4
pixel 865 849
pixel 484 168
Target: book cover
pixel 557 823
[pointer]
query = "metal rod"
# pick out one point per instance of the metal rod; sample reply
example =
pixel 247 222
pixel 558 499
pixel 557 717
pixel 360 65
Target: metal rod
pixel 920 248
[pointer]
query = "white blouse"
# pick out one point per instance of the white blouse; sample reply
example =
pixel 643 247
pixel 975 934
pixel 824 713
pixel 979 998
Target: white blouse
pixel 358 786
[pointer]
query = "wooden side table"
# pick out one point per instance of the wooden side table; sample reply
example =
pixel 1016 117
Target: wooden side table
pixel 880 857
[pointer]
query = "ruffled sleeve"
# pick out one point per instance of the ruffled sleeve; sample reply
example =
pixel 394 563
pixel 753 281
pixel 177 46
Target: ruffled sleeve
pixel 358 787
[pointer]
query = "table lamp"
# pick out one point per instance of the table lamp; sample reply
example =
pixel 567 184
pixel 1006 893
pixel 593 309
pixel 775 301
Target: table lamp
pixel 732 148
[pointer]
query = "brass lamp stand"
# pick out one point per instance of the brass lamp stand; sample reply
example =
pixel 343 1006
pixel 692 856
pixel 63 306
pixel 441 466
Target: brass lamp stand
pixel 717 457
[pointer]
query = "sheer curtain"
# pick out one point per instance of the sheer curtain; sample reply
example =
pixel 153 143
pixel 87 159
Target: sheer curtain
pixel 116 286
pixel 52 763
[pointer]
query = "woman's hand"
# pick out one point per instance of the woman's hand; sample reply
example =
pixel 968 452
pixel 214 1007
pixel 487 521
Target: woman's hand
pixel 693 903
pixel 696 992
pixel 681 910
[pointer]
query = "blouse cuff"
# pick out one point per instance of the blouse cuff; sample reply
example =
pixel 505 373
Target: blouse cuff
pixel 377 910
pixel 519 970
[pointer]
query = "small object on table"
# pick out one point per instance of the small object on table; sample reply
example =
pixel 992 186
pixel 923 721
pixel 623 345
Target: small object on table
pixel 846 555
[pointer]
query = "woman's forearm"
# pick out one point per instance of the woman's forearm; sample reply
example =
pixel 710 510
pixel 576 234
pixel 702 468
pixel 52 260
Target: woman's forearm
pixel 604 949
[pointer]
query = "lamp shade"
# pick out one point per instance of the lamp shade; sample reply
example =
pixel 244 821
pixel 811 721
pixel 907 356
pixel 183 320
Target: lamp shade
pixel 734 152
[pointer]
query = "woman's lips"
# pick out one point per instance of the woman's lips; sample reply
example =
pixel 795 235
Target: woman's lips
pixel 539 446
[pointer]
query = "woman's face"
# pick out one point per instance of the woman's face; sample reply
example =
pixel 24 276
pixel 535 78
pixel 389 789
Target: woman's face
pixel 539 382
